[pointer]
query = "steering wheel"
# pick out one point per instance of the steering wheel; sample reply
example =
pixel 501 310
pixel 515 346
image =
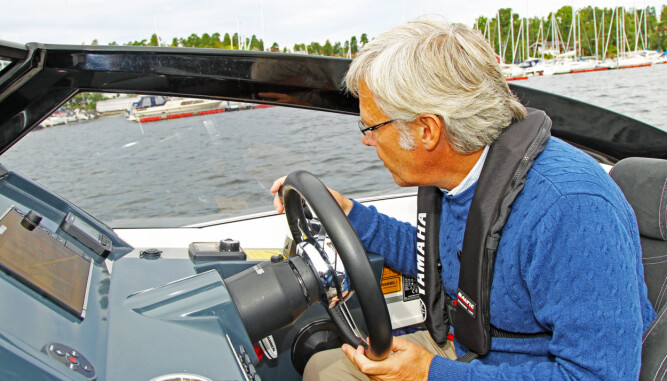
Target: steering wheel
pixel 319 239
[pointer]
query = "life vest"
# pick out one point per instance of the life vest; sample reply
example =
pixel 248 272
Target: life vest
pixel 502 178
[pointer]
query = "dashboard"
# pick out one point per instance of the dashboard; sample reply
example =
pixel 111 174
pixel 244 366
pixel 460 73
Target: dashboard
pixel 162 314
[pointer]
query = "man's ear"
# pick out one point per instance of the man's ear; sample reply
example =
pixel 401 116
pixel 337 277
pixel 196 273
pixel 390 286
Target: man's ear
pixel 431 129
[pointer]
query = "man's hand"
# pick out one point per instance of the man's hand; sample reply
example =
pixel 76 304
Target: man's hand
pixel 344 202
pixel 408 361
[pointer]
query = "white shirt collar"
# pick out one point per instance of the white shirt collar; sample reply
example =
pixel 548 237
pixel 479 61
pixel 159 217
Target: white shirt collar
pixel 472 176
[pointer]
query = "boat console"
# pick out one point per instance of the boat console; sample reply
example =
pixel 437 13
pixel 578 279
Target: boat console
pixel 80 303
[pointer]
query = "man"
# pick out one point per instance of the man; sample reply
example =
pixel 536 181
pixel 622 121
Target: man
pixel 432 101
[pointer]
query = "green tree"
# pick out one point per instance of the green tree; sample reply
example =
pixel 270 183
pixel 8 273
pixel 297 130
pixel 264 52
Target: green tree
pixel 192 41
pixel 338 49
pixel 154 40
pixel 353 45
pixel 363 39
pixel 215 41
pixel 205 41
pixel 661 30
pixel 235 41
pixel 327 49
pixel 174 42
pixel 254 43
pixel 137 43
pixel 314 48
pixel 226 42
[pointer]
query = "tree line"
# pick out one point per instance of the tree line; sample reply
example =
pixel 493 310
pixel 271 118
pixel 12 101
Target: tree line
pixel 515 39
pixel 616 30
pixel 348 48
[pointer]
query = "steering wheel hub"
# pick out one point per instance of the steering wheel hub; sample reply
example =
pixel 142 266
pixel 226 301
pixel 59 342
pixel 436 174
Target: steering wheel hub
pixel 329 270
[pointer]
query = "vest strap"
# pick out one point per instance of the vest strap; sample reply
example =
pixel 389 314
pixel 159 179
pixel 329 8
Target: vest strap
pixel 429 280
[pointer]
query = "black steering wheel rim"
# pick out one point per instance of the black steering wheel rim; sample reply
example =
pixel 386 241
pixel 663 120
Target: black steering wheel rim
pixel 302 184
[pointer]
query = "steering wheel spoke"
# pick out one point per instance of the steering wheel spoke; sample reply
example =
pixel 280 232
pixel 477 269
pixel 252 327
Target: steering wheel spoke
pixel 344 320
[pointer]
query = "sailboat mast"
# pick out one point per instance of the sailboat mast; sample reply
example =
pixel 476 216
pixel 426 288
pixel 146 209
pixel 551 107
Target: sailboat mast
pixel 553 36
pixel 637 29
pixel 500 47
pixel 618 35
pixel 602 29
pixel 512 29
pixel 611 24
pixel 580 51
pixel 574 32
pixel 527 41
pixel 646 47
pixel 623 36
pixel 543 39
pixel 595 28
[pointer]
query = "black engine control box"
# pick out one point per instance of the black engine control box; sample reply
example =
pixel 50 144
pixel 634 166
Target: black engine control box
pixel 225 250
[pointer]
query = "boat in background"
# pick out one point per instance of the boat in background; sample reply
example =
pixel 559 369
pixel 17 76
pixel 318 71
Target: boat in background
pixel 160 106
pixel 153 108
pixel 66 117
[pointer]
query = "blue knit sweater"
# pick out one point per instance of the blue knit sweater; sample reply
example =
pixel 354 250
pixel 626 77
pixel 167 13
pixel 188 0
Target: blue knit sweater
pixel 569 262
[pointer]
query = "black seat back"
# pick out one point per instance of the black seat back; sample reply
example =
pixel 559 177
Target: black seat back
pixel 644 183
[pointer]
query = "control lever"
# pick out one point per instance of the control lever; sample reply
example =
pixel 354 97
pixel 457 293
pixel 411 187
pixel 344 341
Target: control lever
pixel 31 220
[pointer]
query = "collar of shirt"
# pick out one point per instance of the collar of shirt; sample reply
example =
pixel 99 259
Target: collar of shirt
pixel 472 176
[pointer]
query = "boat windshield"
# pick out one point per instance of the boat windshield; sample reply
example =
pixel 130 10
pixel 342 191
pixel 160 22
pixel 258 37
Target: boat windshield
pixel 190 163
pixel 4 63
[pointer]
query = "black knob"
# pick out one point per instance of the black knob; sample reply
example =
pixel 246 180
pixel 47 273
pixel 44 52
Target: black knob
pixel 31 220
pixel 150 254
pixel 230 245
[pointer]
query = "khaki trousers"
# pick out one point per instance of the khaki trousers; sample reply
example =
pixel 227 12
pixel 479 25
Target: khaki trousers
pixel 334 365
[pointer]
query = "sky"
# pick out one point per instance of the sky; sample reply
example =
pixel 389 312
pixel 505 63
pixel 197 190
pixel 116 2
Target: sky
pixel 283 21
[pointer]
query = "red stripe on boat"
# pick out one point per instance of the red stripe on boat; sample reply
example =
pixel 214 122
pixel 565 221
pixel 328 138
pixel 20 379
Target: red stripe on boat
pixel 208 112
pixel 150 119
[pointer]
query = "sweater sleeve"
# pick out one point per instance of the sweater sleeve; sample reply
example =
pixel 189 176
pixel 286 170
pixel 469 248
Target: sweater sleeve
pixel 386 236
pixel 584 288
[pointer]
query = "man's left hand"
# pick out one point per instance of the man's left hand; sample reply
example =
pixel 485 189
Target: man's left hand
pixel 407 361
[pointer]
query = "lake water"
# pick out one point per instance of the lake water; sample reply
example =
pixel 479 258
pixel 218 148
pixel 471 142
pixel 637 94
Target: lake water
pixel 640 93
pixel 189 170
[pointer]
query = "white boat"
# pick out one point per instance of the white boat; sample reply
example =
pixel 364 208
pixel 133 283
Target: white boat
pixel 512 71
pixel 154 106
pixel 146 296
pixel 583 66
pixel 632 61
pixel 557 67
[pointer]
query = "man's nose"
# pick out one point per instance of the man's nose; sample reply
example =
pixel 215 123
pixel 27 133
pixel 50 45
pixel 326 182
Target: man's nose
pixel 366 141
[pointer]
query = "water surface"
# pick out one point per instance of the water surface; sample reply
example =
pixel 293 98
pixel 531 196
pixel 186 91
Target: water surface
pixel 189 170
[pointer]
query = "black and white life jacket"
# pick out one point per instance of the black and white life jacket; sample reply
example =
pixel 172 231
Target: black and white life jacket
pixel 502 178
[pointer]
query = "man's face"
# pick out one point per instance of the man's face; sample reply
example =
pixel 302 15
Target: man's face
pixel 399 162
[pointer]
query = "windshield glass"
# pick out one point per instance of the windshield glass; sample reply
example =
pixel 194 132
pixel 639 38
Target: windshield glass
pixel 4 62
pixel 185 161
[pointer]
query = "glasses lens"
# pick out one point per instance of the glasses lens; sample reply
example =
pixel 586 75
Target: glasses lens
pixel 362 128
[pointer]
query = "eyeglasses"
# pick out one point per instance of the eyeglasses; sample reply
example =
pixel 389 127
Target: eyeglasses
pixel 368 131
